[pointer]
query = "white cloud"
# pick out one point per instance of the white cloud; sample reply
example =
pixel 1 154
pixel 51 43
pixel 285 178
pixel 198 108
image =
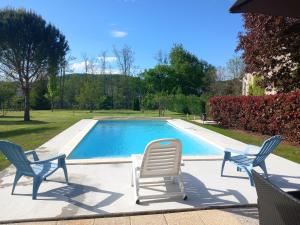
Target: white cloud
pixel 118 33
pixel 79 67
pixel 109 59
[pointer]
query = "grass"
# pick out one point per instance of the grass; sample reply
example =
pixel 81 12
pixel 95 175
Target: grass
pixel 46 124
pixel 286 150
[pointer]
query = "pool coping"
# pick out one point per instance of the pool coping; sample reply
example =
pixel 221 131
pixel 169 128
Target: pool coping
pixel 69 147
pixel 79 130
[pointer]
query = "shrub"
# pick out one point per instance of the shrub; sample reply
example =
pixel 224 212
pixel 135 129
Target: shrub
pixel 149 102
pixel 186 104
pixel 136 105
pixel 255 89
pixel 270 115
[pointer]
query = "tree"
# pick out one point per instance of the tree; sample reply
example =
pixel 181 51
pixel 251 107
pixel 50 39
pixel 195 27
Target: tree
pixel 161 78
pixel 161 58
pixel 125 59
pixel 7 91
pixel 103 62
pixel 38 95
pixel 28 48
pixel 226 81
pixel 236 68
pixel 89 95
pixel 271 51
pixel 85 59
pixel 92 68
pixel 64 66
pixel 184 74
pixel 52 90
pixel 190 72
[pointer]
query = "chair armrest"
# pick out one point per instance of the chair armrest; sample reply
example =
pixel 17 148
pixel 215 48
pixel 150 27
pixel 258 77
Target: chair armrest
pixel 60 158
pixel 33 153
pixel 235 151
pixel 241 152
pixel 295 194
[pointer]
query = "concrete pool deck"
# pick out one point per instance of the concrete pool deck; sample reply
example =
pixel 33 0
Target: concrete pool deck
pixel 104 189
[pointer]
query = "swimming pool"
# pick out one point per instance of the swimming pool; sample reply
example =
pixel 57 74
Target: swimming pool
pixel 121 138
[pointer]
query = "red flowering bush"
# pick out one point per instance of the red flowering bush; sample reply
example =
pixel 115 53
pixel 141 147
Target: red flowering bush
pixel 271 114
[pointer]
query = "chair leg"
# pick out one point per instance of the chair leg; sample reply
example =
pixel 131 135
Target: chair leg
pixel 181 186
pixel 248 171
pixel 173 180
pixel 136 186
pixel 36 184
pixel 64 167
pixel 227 156
pixel 262 165
pixel 17 178
pixel 132 177
pixel 223 164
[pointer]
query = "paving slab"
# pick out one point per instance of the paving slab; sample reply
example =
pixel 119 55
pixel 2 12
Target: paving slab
pixel 76 222
pixel 247 216
pixel 112 221
pixel 37 223
pixel 184 218
pixel 156 219
pixel 230 216
pixel 217 217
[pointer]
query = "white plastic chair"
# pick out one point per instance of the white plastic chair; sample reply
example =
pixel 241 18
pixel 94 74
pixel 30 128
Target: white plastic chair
pixel 162 159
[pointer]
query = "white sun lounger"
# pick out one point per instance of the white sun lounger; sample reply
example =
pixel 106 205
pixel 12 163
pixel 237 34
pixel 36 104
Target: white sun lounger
pixel 161 159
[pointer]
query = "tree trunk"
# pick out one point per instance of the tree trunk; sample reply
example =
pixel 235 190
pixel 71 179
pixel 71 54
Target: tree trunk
pixel 62 87
pixel 52 104
pixel 3 110
pixel 26 104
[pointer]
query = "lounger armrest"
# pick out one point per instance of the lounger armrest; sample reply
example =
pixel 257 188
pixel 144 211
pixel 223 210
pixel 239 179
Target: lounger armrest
pixel 33 153
pixel 60 158
pixel 136 161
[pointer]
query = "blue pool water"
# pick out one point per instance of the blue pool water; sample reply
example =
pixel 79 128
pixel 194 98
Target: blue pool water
pixel 115 138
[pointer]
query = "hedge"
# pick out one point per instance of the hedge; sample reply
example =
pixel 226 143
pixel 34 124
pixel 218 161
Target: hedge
pixel 270 115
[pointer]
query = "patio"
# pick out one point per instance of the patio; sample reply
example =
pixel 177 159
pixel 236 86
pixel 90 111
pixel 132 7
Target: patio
pixel 104 189
pixel 244 216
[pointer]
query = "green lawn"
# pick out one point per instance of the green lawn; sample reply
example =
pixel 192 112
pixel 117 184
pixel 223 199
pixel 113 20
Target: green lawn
pixel 47 124
pixel 285 150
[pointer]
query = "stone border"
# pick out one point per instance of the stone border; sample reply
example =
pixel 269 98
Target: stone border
pixel 216 139
pixel 69 147
pixel 66 141
pixel 138 213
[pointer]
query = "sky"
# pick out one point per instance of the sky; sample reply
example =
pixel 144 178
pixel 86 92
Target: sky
pixel 203 27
